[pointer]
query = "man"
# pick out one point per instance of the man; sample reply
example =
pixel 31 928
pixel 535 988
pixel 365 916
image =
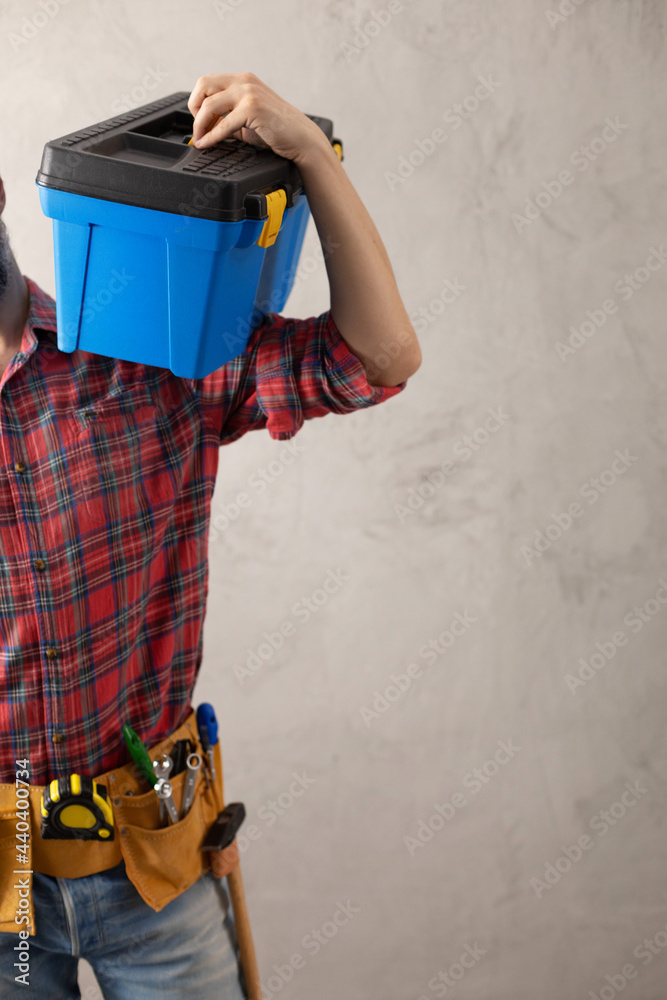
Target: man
pixel 106 476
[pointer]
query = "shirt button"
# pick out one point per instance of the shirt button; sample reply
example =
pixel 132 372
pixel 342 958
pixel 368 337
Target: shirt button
pixel 39 564
pixel 20 466
pixel 52 653
pixel 58 738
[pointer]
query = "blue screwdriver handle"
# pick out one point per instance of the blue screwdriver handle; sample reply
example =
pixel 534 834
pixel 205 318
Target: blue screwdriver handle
pixel 207 724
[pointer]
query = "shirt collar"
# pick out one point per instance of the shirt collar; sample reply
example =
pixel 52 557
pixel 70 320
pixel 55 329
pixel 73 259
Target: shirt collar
pixel 41 321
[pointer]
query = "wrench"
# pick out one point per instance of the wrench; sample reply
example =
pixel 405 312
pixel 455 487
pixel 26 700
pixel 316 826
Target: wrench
pixel 163 792
pixel 193 765
pixel 162 767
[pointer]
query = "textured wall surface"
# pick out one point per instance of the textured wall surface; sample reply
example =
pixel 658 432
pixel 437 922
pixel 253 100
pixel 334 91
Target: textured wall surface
pixel 476 711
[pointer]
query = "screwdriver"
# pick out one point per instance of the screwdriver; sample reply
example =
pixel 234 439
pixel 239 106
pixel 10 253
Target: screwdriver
pixel 207 725
pixel 139 754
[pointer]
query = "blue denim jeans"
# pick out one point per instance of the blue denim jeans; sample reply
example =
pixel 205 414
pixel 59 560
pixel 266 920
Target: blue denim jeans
pixel 186 950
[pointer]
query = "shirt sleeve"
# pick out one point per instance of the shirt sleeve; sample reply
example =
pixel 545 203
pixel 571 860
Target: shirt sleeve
pixel 290 371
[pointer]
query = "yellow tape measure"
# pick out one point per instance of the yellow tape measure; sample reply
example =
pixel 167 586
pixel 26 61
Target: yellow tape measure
pixel 76 808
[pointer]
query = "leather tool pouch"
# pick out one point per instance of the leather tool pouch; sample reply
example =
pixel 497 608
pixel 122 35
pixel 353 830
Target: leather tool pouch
pixel 16 907
pixel 164 861
pixel 161 861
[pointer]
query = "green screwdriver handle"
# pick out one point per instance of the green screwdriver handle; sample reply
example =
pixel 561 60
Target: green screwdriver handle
pixel 139 754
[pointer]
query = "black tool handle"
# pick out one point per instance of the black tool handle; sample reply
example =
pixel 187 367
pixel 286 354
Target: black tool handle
pixel 225 828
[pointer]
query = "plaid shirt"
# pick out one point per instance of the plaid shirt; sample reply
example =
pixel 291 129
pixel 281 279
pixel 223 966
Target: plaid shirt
pixel 106 478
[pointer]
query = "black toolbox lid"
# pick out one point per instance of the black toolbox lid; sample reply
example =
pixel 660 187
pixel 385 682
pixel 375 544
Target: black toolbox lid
pixel 143 158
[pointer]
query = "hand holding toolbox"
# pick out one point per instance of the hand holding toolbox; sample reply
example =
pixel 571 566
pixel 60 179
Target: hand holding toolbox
pixel 166 254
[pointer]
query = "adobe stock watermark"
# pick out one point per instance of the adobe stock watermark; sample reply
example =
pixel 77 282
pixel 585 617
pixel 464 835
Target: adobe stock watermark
pixel 108 975
pixel 31 26
pixel 399 684
pixel 236 339
pixel 311 263
pixel 581 159
pixel 140 93
pixel 420 318
pixel 273 809
pixel 591 490
pixel 463 450
pixel 454 116
pixel 565 9
pixel 312 943
pixel 474 781
pixel 625 288
pixel 446 979
pixel 93 991
pixel 389 351
pixel 96 303
pixel 423 316
pixel 302 611
pixel 606 650
pixel 23 883
pixel 645 952
pixel 601 823
pixel 370 30
pixel 305 267
pixel 257 483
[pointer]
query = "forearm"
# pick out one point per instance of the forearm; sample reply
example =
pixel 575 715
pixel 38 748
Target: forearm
pixel 365 302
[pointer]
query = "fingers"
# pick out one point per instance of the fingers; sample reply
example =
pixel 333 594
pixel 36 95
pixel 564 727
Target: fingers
pixel 207 85
pixel 211 83
pixel 215 105
pixel 221 94
pixel 223 129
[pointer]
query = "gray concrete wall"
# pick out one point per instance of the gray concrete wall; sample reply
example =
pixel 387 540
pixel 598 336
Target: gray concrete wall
pixel 520 239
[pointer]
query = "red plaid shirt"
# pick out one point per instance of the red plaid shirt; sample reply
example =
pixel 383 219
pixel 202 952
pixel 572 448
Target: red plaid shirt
pixel 106 479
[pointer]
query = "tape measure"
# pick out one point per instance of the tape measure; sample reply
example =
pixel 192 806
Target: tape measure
pixel 76 808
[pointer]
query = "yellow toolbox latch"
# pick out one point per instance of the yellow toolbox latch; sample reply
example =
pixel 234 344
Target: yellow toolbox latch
pixel 275 203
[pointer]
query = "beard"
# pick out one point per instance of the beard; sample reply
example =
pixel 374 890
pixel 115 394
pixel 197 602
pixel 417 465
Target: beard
pixel 5 259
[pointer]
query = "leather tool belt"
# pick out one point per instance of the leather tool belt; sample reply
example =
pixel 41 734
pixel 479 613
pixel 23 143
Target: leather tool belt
pixel 161 861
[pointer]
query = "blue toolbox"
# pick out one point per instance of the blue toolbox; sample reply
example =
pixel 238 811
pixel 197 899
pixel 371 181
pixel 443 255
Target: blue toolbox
pixel 165 254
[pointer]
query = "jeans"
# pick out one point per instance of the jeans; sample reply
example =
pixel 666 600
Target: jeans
pixel 187 950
